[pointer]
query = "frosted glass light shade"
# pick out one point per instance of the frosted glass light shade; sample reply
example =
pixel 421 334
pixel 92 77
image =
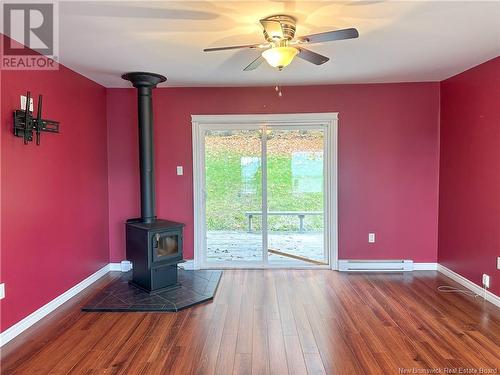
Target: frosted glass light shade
pixel 279 57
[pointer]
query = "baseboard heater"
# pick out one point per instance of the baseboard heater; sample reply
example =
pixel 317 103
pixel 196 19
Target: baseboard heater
pixel 375 265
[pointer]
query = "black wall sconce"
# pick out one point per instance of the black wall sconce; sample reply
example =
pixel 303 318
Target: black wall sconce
pixel 25 124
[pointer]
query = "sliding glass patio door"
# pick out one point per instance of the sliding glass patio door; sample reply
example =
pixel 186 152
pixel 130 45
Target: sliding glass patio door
pixel 263 195
pixel 295 200
pixel 233 196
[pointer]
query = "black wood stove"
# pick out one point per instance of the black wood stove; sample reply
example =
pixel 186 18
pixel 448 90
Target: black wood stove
pixel 154 246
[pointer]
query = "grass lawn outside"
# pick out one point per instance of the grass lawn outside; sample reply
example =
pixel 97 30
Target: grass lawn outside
pixel 234 179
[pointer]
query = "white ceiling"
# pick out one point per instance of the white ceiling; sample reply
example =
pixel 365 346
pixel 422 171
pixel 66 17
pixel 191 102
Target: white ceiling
pixel 399 41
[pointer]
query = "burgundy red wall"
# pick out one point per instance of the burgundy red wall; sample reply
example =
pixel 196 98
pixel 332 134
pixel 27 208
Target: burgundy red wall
pixel 469 199
pixel 63 201
pixel 54 214
pixel 388 159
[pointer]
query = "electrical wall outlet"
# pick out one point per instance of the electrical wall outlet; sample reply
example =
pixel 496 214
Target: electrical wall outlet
pixel 2 290
pixel 498 263
pixel 23 103
pixel 180 170
pixel 486 281
pixel 371 237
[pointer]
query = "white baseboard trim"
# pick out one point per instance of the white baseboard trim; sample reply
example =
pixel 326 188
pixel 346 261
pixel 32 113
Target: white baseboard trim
pixel 123 266
pixel 188 264
pixel 115 266
pixel 490 297
pixel 425 266
pixel 35 316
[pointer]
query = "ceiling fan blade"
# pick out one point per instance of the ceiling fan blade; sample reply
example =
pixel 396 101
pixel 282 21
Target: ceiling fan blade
pixel 254 64
pixel 312 57
pixel 272 28
pixel 329 36
pixel 232 47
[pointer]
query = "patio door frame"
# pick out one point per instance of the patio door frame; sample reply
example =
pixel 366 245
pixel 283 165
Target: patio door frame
pixel 327 121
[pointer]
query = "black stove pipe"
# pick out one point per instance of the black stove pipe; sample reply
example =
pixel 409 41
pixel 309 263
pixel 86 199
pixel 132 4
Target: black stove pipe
pixel 145 83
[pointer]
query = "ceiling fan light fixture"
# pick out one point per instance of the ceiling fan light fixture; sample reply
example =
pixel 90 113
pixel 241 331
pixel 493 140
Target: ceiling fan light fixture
pixel 282 45
pixel 279 57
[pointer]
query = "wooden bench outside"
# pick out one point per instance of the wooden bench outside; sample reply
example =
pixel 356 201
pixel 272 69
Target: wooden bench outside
pixel 300 214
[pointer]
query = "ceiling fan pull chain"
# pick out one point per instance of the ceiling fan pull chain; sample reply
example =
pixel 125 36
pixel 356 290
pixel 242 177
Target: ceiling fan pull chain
pixel 277 88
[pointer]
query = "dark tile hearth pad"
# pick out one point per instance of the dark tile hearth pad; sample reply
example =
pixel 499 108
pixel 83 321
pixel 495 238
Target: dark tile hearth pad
pixel 119 296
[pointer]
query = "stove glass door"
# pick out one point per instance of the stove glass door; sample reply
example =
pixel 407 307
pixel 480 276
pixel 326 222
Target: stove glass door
pixel 165 245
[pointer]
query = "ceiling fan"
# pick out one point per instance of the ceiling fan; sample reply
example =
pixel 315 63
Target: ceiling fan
pixel 282 46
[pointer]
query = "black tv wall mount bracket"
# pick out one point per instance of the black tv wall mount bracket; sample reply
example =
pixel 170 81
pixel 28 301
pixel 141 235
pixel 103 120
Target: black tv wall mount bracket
pixel 25 124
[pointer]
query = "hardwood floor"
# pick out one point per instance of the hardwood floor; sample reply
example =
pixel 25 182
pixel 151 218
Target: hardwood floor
pixel 274 322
